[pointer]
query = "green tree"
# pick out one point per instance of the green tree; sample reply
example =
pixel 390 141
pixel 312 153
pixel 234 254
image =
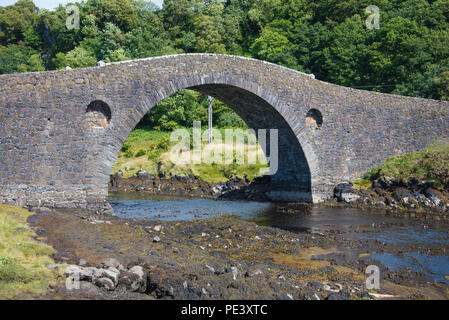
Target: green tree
pixel 442 83
pixel 208 38
pixel 18 58
pixel 16 21
pixel 274 47
pixel 76 58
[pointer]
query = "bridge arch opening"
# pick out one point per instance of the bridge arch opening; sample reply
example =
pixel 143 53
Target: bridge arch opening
pixel 98 114
pixel 314 119
pixel 291 180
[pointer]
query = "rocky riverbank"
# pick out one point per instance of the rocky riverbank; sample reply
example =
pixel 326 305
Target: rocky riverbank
pixel 221 258
pixel 387 193
pixel 383 193
pixel 190 186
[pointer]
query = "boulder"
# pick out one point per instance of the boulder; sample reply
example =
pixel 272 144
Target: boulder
pixel 142 174
pixel 340 188
pixel 433 195
pixel 349 197
pixel 91 273
pixel 105 283
pixel 112 274
pixel 134 279
pixel 73 270
pixel 111 263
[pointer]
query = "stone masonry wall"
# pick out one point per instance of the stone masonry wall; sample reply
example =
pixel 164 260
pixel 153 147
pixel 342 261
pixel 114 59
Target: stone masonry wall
pixel 53 153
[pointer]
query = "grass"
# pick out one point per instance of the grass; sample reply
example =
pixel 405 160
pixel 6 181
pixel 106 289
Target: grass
pixel 361 183
pixel 430 165
pixel 23 259
pixel 149 150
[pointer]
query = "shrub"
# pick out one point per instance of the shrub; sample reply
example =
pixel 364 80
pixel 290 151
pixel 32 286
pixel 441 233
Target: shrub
pixel 153 155
pixel 230 120
pixel 163 144
pixel 125 147
pixel 169 126
pixel 141 152
pixel 129 153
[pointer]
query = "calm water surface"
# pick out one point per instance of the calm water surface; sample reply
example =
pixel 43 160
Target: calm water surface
pixel 409 237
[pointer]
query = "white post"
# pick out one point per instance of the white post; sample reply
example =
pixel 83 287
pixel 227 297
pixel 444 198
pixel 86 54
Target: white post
pixel 209 111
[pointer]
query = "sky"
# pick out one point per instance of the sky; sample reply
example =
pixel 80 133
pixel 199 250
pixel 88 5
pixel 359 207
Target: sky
pixel 50 4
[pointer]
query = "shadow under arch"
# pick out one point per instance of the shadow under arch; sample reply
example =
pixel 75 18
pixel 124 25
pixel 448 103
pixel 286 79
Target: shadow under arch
pixel 292 181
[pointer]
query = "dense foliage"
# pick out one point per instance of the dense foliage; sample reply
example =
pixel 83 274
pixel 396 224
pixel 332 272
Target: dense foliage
pixel 408 54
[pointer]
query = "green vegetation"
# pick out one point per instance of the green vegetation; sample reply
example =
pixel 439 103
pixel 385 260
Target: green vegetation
pixel 23 259
pixel 430 165
pixel 153 155
pixel 186 106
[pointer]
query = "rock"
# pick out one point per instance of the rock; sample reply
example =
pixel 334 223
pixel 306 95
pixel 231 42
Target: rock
pixel 254 273
pixel 156 239
pixel 138 270
pixel 111 263
pixel 235 272
pixel 349 197
pixel 112 274
pixel 433 195
pixel 310 295
pixel 73 270
pixel 105 283
pixel 286 296
pixel 157 228
pixel 142 174
pixel 101 63
pixel 335 296
pixel 82 262
pixel 210 268
pixel 91 273
pixel 89 290
pixel 340 188
pixel 68 68
pixel 134 279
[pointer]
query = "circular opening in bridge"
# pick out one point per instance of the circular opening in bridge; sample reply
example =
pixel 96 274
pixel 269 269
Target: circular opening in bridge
pixel 314 119
pixel 98 114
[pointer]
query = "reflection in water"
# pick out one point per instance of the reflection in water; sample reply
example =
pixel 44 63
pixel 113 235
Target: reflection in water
pixel 407 236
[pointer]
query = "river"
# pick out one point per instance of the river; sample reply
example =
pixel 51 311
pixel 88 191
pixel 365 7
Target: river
pixel 403 244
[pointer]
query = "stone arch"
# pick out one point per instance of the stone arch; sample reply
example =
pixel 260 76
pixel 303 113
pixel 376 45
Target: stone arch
pixel 292 182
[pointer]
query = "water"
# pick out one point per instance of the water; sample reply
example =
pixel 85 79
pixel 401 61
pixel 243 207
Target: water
pixel 167 208
pixel 396 242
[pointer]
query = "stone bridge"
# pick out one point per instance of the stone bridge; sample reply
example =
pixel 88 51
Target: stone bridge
pixel 61 131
